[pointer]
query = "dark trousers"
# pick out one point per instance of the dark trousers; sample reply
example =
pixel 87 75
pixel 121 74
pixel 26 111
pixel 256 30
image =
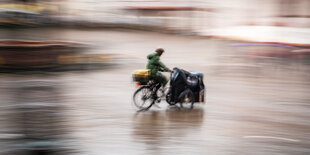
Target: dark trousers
pixel 160 78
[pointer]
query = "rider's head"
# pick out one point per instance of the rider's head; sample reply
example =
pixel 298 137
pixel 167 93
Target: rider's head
pixel 159 51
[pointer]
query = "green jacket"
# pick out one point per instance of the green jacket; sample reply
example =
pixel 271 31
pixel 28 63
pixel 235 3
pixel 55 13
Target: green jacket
pixel 155 65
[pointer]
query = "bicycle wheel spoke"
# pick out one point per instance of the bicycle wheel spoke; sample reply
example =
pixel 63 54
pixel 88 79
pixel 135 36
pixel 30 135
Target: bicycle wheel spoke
pixel 142 98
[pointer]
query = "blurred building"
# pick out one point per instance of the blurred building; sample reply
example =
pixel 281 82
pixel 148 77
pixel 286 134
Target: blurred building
pixel 234 18
pixel 28 11
pixel 193 15
pixel 173 14
pixel 264 12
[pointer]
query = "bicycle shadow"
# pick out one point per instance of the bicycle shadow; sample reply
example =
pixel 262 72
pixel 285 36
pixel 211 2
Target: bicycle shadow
pixel 157 129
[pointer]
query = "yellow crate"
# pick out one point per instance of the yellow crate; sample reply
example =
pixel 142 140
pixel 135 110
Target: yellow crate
pixel 141 75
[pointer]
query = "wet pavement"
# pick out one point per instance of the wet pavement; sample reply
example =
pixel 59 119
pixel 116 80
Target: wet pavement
pixel 253 106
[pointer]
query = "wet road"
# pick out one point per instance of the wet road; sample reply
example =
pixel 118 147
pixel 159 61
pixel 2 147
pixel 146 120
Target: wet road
pixel 253 106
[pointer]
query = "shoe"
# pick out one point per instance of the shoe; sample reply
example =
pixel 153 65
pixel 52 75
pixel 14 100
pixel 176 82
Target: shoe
pixel 154 96
pixel 158 100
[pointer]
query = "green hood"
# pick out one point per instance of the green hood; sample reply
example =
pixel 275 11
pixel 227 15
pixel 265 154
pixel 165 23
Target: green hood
pixel 154 64
pixel 151 56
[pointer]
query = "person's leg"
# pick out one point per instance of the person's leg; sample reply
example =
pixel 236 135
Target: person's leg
pixel 161 79
pixel 157 80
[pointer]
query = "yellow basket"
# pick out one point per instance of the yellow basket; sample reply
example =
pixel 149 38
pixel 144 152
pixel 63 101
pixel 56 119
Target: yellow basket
pixel 141 75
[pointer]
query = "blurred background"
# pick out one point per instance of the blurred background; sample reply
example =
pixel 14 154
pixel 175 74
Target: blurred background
pixel 66 76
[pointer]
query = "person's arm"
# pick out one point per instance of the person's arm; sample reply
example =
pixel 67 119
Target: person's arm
pixel 163 67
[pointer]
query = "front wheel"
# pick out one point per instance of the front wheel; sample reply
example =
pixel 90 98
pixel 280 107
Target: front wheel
pixel 142 98
pixel 187 99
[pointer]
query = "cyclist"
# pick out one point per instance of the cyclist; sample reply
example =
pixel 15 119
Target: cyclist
pixel 156 66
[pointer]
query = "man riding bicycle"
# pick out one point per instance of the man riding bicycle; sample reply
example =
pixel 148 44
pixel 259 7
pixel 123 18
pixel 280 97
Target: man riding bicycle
pixel 186 87
pixel 156 66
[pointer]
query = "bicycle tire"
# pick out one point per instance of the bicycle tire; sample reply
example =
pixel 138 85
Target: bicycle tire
pixel 149 98
pixel 189 95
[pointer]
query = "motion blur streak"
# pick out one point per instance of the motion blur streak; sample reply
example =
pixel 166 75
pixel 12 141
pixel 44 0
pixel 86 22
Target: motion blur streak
pixel 66 76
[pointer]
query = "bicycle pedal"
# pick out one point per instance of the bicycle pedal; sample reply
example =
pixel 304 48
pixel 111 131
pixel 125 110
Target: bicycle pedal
pixel 158 100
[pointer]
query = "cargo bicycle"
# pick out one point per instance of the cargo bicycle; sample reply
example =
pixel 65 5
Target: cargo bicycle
pixel 185 88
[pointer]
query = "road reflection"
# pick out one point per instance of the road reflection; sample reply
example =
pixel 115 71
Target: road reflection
pixel 157 129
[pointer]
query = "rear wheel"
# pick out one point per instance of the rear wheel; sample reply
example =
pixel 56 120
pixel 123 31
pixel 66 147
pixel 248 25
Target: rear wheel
pixel 169 99
pixel 187 99
pixel 142 98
